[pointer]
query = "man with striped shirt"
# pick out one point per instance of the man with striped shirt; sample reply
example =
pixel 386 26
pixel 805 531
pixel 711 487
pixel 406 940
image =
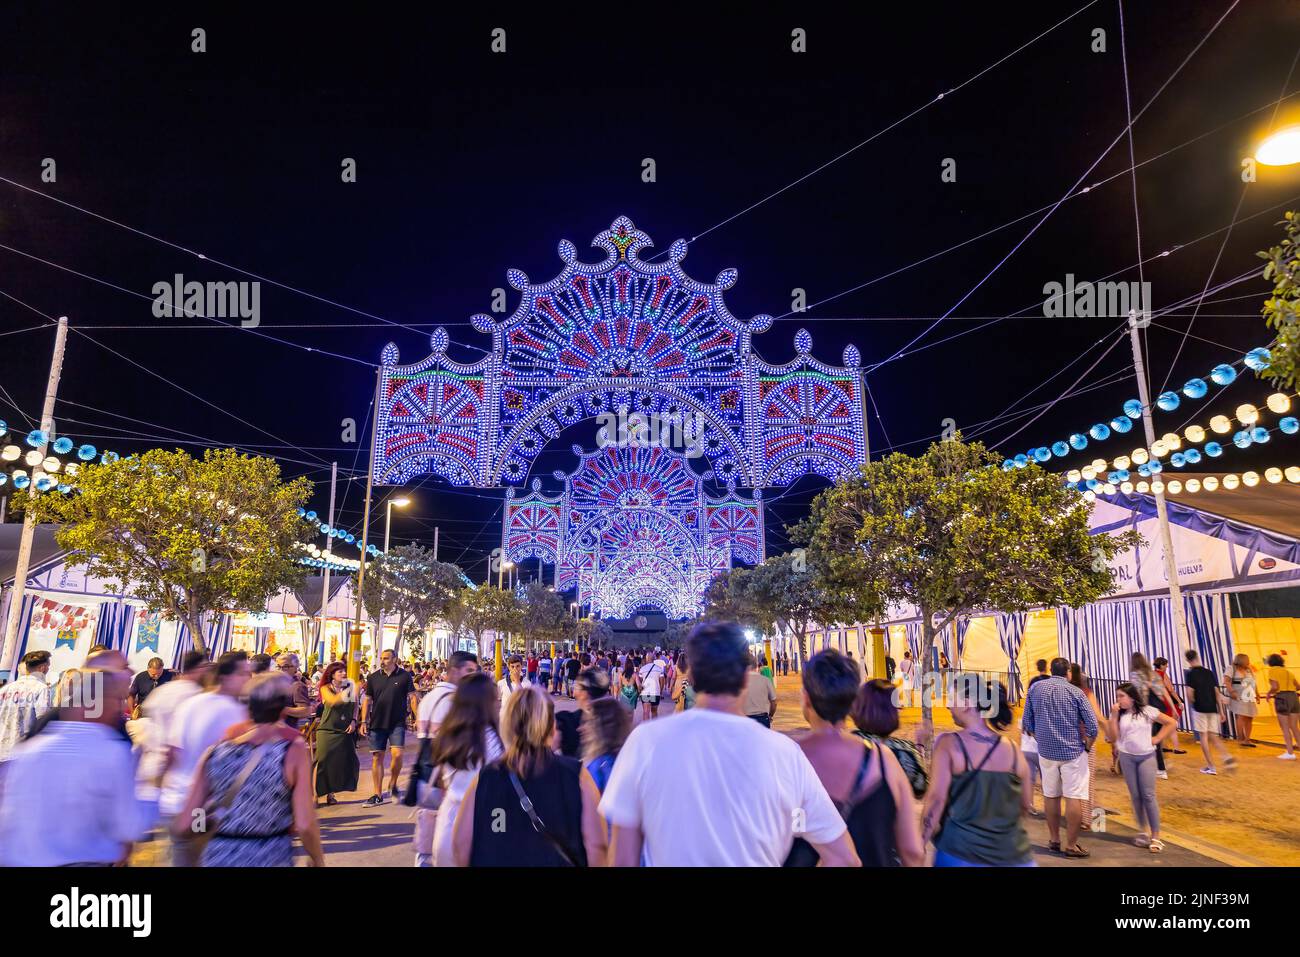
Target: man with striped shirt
pixel 1064 726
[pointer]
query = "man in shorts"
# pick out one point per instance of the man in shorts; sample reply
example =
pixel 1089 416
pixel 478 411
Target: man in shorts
pixel 652 676
pixel 390 697
pixel 1054 712
pixel 1207 712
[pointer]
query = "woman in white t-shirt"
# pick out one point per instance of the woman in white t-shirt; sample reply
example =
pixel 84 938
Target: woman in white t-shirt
pixel 1130 726
pixel 466 740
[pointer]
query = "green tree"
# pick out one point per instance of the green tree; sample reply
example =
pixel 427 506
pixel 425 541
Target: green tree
pixel 186 536
pixel 544 614
pixel 1283 270
pixel 784 591
pixel 406 581
pixel 490 609
pixel 950 533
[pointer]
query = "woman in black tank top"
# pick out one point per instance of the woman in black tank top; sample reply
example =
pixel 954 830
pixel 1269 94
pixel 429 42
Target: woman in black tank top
pixel 876 800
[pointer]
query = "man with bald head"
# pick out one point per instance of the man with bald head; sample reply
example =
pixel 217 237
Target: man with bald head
pixel 69 792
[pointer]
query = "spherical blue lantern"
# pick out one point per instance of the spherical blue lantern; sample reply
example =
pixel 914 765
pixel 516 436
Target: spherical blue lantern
pixel 1168 401
pixel 1042 454
pixel 109 457
pixel 1123 475
pixel 88 452
pixel 1195 388
pixel 301 511
pixel 4 426
pixel 1121 424
pixel 352 538
pixel 1155 467
pixel 325 530
pixel 1093 484
pixel 1192 456
pixel 1259 434
pixel 1060 449
pixel 45 483
pixel 1100 431
pixel 311 516
pixel 65 488
pixel 1008 465
pixel 36 438
pixel 1241 439
pixel 21 481
pixel 1178 460
pixel 4 478
pixel 1078 442
pixel 1258 359
pixel 1223 374
pixel 1021 460
pixel 1144 469
pixel 1213 449
pixel 1133 409
pixel 62 445
pixel 1113 478
pixel 1290 425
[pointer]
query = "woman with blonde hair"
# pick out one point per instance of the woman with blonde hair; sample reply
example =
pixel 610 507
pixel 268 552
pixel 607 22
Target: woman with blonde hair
pixel 533 808
pixel 1243 694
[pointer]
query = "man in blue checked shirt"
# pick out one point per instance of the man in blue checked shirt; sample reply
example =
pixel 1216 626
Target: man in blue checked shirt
pixel 1064 725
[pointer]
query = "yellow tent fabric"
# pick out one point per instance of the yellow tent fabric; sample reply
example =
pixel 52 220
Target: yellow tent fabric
pixel 982 650
pixel 1040 641
pixel 1260 637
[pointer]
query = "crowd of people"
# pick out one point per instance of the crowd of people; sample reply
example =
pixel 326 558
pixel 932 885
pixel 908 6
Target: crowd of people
pixel 226 762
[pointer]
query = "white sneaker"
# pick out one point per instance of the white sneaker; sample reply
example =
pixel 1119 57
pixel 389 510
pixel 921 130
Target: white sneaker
pixel 1288 756
pixel 1163 775
pixel 1208 771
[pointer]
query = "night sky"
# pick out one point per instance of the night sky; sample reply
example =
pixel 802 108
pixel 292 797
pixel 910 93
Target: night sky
pixel 471 162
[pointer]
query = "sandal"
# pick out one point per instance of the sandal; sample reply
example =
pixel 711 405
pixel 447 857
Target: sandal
pixel 1054 847
pixel 1076 851
pixel 1157 846
pixel 1142 840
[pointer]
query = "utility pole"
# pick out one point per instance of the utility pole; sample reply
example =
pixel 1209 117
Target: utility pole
pixel 354 636
pixel 435 543
pixel 10 651
pixel 1162 513
pixel 329 553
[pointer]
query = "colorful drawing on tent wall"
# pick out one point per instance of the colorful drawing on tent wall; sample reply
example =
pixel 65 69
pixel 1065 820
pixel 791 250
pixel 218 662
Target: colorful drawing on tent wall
pixel 67 638
pixel 147 633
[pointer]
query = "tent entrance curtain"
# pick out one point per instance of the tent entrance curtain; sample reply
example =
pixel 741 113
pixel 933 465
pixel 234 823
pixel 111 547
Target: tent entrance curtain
pixel 1011 633
pixel 1102 637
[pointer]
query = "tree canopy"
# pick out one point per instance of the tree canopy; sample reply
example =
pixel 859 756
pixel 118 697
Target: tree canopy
pixel 187 536
pixel 1283 270
pixel 950 532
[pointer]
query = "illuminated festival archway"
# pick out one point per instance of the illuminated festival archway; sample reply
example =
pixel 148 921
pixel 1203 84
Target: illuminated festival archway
pixel 623 335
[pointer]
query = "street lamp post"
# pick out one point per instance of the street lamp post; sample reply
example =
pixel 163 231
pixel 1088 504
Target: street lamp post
pixel 401 501
pixel 498 661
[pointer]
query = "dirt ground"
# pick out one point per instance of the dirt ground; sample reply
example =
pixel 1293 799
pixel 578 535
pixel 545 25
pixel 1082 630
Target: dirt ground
pixel 1246 818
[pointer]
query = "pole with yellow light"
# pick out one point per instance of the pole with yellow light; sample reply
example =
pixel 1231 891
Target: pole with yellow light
pixel 498 660
pixel 401 501
pixel 354 634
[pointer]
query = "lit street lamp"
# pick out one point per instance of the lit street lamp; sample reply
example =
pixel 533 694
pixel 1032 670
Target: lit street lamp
pixel 1281 148
pixel 401 501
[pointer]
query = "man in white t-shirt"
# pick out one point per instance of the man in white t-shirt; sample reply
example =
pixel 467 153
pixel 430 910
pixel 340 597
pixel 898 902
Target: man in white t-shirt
pixel 198 723
pixel 652 676
pixel 435 705
pixel 433 711
pixel 514 680
pixel 157 714
pixel 710 788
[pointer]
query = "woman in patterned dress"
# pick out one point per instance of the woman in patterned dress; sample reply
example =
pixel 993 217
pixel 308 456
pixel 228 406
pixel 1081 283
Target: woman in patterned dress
pixel 258 789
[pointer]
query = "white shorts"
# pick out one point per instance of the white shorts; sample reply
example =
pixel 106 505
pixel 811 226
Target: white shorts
pixel 1206 723
pixel 1067 779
